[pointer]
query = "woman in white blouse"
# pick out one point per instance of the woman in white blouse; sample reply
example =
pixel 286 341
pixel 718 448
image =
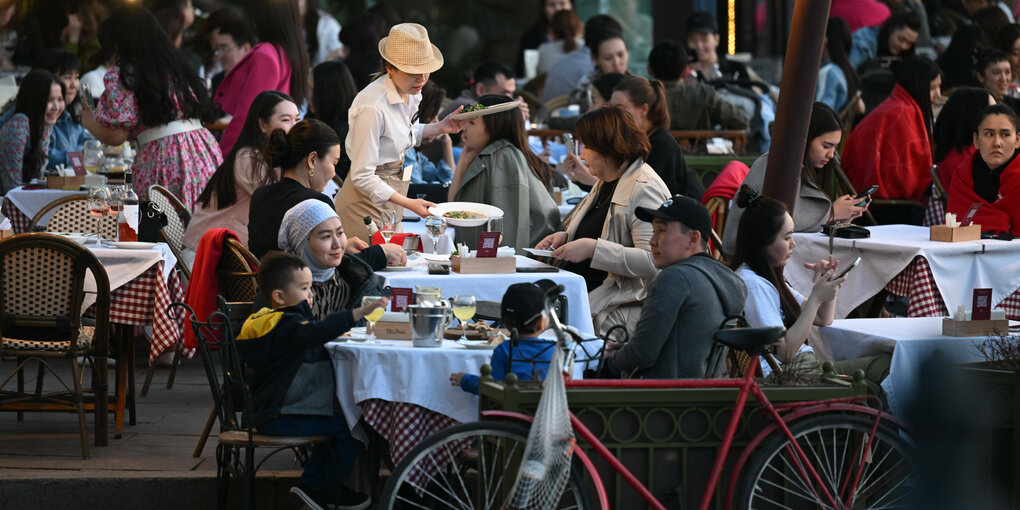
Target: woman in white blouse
pixel 381 131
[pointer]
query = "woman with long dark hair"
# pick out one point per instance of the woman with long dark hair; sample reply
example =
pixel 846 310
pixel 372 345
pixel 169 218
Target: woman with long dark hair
pixel 892 146
pixel 68 134
pixel 954 131
pixel 154 97
pixel 895 37
pixel 225 200
pixel 25 139
pixel 322 32
pixel 278 62
pixel 498 168
pixel 336 93
pixel 814 208
pixel 646 102
pixel 837 79
pixel 764 247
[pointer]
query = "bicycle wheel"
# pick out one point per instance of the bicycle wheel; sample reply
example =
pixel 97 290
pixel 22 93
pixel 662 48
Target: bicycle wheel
pixel 835 445
pixel 468 466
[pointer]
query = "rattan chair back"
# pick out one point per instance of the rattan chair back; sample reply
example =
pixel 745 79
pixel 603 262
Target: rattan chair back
pixel 237 270
pixel 178 217
pixel 71 214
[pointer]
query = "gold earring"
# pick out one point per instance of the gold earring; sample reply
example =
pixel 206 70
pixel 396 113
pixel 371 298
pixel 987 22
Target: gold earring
pixel 311 171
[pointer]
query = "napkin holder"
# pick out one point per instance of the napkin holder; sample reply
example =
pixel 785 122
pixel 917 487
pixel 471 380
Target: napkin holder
pixel 483 265
pixel 970 328
pixel 946 234
pixel 393 326
pixel 72 183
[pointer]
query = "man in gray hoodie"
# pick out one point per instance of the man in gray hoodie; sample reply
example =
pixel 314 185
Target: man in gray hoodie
pixel 689 298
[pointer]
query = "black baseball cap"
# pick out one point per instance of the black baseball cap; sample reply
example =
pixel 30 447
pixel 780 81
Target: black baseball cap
pixel 681 208
pixel 523 303
pixel 701 21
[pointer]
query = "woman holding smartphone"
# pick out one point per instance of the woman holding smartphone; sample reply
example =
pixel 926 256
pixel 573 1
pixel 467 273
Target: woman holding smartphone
pixel 764 247
pixel 383 125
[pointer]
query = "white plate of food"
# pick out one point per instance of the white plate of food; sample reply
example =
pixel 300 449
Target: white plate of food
pixel 466 214
pixel 134 245
pixel 477 110
pixel 478 344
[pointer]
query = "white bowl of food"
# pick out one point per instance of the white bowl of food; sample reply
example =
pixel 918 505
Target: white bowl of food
pixel 466 214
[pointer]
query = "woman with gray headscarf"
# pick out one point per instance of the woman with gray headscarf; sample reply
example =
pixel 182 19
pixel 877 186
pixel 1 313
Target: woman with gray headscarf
pixel 312 230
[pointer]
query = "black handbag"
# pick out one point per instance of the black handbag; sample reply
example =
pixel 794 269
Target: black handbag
pixel 150 220
pixel 845 231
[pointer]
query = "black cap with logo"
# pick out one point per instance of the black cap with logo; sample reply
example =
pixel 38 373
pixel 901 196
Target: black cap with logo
pixel 684 209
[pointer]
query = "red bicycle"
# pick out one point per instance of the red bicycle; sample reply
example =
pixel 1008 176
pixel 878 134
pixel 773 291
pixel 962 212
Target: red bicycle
pixel 831 454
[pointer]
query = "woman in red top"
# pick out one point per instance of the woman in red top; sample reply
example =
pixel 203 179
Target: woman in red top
pixel 993 181
pixel 278 62
pixel 891 147
pixel 954 131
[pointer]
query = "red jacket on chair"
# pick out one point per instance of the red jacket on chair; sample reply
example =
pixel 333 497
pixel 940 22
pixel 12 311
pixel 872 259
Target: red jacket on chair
pixel 1003 214
pixel 204 286
pixel 890 147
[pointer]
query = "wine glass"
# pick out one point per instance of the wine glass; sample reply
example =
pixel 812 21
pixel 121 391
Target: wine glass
pixel 496 225
pixel 463 309
pixel 372 316
pixel 435 228
pixel 92 156
pixel 99 205
pixel 388 221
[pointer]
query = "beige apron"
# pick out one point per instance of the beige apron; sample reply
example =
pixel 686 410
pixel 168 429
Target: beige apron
pixel 352 205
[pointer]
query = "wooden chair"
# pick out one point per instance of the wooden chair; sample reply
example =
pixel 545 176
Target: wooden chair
pixel 847 116
pixel 42 286
pixel 173 235
pixel 238 440
pixel 718 208
pixel 71 214
pixel 939 189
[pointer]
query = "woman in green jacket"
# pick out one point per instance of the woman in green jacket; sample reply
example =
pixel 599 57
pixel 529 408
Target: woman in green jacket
pixel 498 168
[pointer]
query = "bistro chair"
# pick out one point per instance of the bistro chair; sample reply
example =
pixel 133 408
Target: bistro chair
pixel 42 282
pixel 235 453
pixel 491 311
pixel 71 214
pixel 237 272
pixel 173 235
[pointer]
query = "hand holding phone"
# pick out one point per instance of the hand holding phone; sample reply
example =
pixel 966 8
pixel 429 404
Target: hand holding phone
pixel 865 194
pixel 846 269
pixel 568 140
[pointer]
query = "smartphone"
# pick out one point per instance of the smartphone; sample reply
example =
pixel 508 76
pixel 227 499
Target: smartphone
pixel 86 95
pixel 865 194
pixel 537 269
pixel 568 140
pixel 847 269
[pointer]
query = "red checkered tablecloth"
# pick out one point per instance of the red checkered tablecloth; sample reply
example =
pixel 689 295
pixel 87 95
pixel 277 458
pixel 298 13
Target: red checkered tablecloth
pixel 19 222
pixel 917 283
pixel 144 301
pixel 403 425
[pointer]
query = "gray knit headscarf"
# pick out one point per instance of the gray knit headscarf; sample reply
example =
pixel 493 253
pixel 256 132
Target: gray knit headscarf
pixel 296 228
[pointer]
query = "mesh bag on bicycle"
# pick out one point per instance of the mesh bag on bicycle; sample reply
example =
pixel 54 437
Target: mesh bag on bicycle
pixel 545 467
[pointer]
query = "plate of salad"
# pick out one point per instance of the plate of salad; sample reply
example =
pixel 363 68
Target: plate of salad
pixel 477 110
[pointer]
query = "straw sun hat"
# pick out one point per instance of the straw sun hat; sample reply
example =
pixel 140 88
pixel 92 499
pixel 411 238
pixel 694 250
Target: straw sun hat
pixel 408 49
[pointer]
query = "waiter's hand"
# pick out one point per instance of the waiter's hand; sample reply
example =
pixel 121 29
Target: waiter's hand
pixel 419 206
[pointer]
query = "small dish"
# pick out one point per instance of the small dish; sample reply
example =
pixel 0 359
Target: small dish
pixel 399 268
pixel 437 257
pixel 477 344
pixel 134 245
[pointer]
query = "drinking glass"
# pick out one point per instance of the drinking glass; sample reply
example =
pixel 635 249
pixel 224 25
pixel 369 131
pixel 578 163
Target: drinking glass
pixel 116 198
pixel 372 316
pixel 435 228
pixel 99 205
pixel 92 156
pixel 496 225
pixel 388 221
pixel 463 309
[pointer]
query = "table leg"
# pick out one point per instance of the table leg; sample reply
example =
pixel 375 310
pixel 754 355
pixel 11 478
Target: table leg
pixel 100 376
pixel 129 353
pixel 122 373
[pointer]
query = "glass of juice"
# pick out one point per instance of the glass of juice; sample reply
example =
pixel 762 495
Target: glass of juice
pixel 464 310
pixel 372 316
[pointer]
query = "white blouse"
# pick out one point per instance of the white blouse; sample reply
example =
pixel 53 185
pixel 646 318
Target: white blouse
pixel 380 133
pixel 763 307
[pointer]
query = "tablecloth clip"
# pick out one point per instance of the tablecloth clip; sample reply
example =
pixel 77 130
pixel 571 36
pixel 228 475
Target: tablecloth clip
pixel 982 252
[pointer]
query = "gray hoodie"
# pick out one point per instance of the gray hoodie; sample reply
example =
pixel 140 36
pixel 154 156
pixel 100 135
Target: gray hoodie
pixel 685 305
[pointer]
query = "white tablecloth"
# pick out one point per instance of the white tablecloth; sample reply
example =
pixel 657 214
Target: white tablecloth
pixel 910 340
pixel 490 287
pixel 30 202
pixel 122 266
pixel 396 371
pixel 444 245
pixel 957 268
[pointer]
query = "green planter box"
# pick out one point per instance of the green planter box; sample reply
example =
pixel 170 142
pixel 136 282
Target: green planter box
pixel 997 391
pixel 667 437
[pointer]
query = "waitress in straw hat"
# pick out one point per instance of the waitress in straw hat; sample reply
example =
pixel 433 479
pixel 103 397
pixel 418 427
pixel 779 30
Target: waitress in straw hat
pixel 383 126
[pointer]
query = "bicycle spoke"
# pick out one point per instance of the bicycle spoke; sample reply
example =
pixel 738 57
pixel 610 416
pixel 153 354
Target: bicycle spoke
pixel 805 493
pixel 446 486
pixel 499 480
pixel 824 463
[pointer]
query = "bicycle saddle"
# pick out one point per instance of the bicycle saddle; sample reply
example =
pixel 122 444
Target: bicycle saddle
pixel 749 339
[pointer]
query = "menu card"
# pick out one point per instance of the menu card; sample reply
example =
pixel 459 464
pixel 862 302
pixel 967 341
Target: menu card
pixel 488 243
pixel 76 162
pixel 981 310
pixel 400 298
pixel 969 218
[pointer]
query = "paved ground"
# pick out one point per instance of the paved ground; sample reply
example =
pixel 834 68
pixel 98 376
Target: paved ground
pixel 150 467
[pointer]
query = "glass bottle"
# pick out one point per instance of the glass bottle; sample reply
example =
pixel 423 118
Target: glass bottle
pixel 127 217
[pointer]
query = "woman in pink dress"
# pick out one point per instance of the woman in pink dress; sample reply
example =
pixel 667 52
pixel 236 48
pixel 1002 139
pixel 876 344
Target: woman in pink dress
pixel 152 96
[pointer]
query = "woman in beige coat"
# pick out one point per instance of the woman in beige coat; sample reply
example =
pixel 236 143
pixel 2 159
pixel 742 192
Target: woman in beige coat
pixel 604 241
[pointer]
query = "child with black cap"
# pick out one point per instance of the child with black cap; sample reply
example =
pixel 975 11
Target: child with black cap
pixel 523 307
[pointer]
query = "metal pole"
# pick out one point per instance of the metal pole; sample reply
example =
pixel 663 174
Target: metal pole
pixel 797 92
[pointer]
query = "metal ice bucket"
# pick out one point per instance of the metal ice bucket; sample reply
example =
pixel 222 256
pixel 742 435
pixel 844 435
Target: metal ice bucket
pixel 428 323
